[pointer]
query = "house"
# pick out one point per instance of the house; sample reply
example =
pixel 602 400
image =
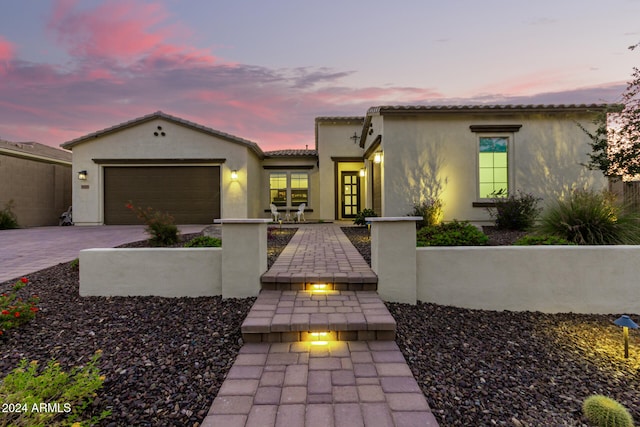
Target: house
pixel 37 178
pixel 463 154
pixel 387 160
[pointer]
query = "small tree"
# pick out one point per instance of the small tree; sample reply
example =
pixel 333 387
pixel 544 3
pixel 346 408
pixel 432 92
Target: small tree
pixel 615 143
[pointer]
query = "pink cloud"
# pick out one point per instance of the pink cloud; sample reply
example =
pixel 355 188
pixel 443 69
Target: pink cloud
pixel 6 53
pixel 121 30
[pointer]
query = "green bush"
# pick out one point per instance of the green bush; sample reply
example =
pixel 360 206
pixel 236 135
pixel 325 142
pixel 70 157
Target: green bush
pixel 591 218
pixel 365 213
pixel 160 225
pixel 430 211
pixel 515 212
pixel 8 219
pixel 534 239
pixel 204 242
pixel 71 393
pixel 451 234
pixel 606 412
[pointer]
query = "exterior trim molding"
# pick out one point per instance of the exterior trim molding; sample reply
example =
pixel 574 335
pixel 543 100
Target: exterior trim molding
pixel 347 159
pixel 373 147
pixel 495 128
pixel 288 167
pixel 156 161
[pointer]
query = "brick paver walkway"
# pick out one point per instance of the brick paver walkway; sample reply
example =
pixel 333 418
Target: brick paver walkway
pixel 292 315
pixel 352 375
pixel 340 384
pixel 320 253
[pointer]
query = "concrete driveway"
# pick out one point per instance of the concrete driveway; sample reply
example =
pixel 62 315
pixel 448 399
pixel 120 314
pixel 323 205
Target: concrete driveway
pixel 27 250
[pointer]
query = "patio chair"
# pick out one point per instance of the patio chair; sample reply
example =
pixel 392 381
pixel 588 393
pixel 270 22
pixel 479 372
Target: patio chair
pixel 66 218
pixel 300 213
pixel 274 213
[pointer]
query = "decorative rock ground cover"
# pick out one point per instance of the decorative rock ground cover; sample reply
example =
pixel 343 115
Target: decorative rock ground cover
pixel 165 359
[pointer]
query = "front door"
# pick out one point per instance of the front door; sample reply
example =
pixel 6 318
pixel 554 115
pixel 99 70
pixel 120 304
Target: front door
pixel 350 194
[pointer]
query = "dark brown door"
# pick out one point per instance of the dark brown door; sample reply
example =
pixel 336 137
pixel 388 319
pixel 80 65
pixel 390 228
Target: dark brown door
pixel 350 194
pixel 377 188
pixel 191 194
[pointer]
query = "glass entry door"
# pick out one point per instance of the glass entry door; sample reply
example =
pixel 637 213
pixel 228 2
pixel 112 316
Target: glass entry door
pixel 350 194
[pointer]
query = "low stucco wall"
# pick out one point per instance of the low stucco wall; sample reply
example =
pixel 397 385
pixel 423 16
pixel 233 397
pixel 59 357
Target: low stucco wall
pixel 165 272
pixel 552 279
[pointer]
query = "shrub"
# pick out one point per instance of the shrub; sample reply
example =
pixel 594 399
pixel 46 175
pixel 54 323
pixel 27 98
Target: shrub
pixel 204 242
pixel 160 225
pixel 8 219
pixel 69 393
pixel 606 412
pixel 14 311
pixel 515 212
pixel 430 211
pixel 533 239
pixel 451 234
pixel 75 264
pixel 591 218
pixel 365 213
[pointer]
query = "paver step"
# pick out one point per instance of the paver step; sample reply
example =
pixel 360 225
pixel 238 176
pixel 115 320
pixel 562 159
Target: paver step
pixel 337 384
pixel 339 281
pixel 288 316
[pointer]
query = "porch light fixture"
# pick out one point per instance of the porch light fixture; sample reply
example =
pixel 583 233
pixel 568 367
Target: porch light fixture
pixel 377 157
pixel 234 175
pixel 362 172
pixel 82 175
pixel 626 323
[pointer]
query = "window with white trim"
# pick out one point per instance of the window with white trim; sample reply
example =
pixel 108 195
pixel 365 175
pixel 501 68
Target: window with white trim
pixel 278 188
pixel 493 166
pixel 299 188
pixel 288 188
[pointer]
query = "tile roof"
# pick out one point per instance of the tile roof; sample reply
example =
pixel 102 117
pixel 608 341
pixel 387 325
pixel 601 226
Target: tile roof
pixel 399 109
pixel 168 117
pixel 291 153
pixel 36 150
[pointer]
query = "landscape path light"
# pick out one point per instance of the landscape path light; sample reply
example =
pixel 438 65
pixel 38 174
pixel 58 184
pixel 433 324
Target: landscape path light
pixel 626 323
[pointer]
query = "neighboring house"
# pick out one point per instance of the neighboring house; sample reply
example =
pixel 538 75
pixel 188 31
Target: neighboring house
pixel 38 180
pixel 388 160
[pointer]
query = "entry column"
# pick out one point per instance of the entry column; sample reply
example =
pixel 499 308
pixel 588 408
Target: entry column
pixel 244 256
pixel 393 257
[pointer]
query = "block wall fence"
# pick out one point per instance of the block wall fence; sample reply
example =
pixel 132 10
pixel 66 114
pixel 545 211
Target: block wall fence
pixel 551 279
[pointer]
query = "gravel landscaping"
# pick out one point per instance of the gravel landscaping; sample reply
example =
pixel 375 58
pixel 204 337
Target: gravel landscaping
pixel 164 359
pixel 482 368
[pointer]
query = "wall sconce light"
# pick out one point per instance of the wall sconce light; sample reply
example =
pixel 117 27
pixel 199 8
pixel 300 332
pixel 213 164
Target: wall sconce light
pixel 626 323
pixel 377 157
pixel 82 175
pixel 234 175
pixel 362 172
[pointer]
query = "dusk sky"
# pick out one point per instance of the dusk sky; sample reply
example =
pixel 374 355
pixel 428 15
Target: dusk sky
pixel 263 70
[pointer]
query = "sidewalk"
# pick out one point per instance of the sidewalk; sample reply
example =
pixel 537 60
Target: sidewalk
pixel 26 250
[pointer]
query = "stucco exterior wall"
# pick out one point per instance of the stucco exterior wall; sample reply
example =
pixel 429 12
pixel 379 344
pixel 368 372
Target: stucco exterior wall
pixel 551 279
pixel 179 142
pixel 428 155
pixel 334 140
pixel 165 272
pixel 291 164
pixel 41 190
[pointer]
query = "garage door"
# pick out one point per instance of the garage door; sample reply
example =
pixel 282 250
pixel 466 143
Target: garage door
pixel 190 193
